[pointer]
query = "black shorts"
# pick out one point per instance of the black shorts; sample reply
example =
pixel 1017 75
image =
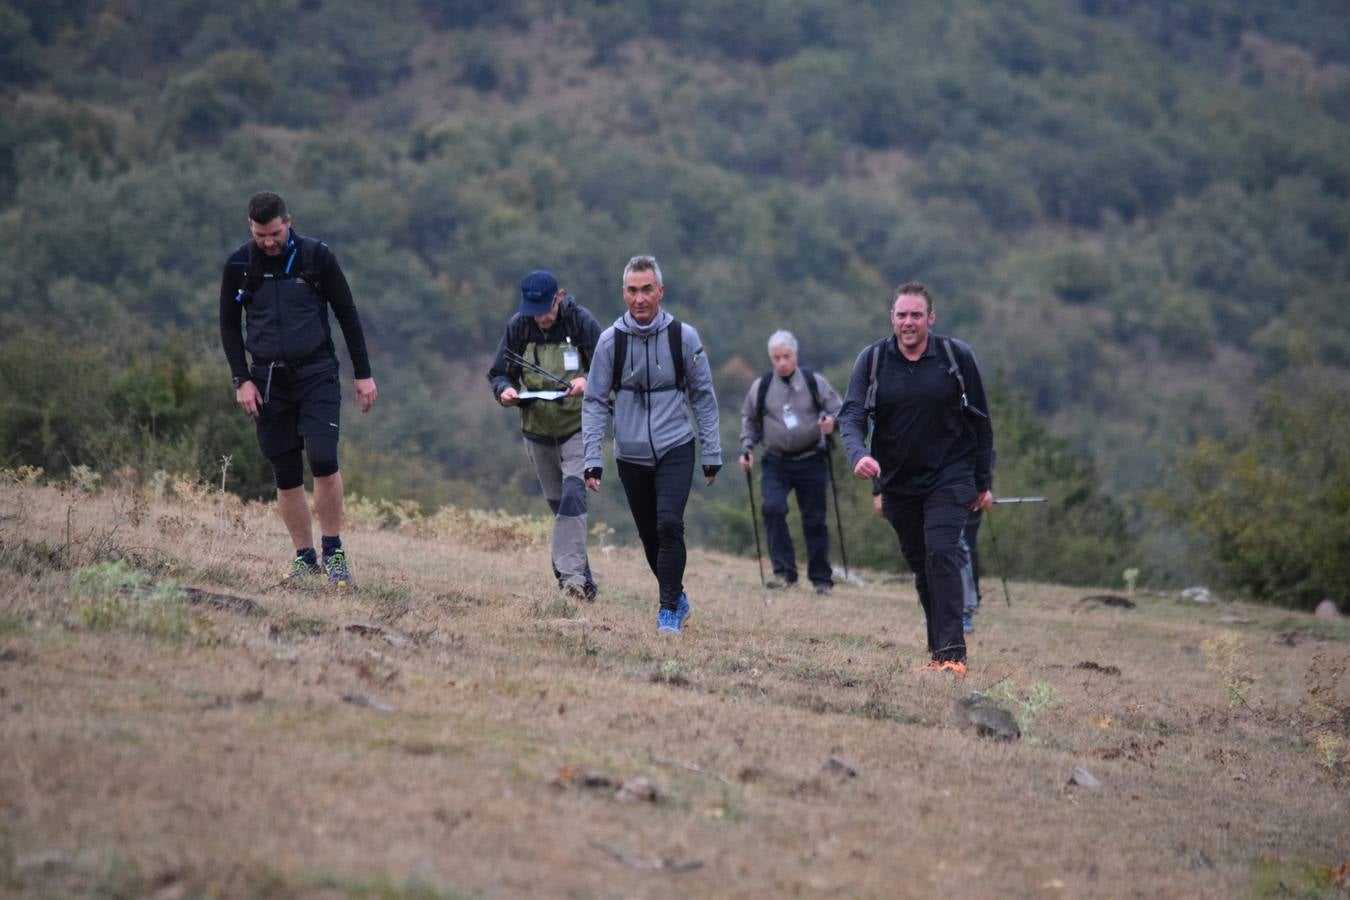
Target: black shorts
pixel 302 402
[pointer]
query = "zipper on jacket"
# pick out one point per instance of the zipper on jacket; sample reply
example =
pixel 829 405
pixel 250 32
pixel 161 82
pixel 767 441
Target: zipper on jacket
pixel 647 399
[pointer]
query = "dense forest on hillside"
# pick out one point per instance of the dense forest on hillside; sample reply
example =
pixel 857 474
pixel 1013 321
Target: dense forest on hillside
pixel 1136 212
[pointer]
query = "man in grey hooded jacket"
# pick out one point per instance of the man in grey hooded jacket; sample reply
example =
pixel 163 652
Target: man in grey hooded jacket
pixel 653 438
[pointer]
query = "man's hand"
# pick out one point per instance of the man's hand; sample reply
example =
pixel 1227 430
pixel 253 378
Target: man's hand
pixel 826 424
pixel 592 475
pixel 509 397
pixel 876 504
pixel 248 398
pixel 746 459
pixel 365 393
pixel 867 467
pixel 593 485
pixel 578 388
pixel 984 501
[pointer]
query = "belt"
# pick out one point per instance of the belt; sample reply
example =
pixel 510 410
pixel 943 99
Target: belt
pixel 274 364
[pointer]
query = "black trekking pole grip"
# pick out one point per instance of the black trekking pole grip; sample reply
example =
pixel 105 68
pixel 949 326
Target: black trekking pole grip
pixel 754 523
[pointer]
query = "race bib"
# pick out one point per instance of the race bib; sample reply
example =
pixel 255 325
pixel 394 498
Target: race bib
pixel 789 417
pixel 571 359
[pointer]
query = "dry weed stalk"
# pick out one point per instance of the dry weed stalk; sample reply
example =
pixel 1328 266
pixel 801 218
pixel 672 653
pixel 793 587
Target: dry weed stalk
pixel 1225 654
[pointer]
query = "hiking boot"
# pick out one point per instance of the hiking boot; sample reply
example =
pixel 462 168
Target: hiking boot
pixel 955 666
pixel 301 569
pixel 667 622
pixel 824 589
pixel 590 591
pixel 967 622
pixel 339 576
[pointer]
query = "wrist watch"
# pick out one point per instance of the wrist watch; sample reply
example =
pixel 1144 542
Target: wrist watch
pixel 238 382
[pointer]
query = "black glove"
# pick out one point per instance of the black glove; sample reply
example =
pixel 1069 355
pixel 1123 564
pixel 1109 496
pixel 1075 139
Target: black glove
pixel 593 472
pixel 710 471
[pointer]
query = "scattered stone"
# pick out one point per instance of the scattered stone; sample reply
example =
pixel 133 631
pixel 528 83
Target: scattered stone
pixel 1109 600
pixel 840 577
pixel 1097 667
pixel 575 776
pixel 396 639
pixel 47 861
pixel 1327 610
pixel 1083 778
pixel 979 711
pixel 655 863
pixel 639 789
pixel 368 702
pixel 14 654
pixel 1198 594
pixel 838 765
pixel 227 602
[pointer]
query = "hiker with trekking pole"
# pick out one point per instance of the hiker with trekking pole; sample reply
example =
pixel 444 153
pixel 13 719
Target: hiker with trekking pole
pixel 932 452
pixel 540 368
pixel 792 410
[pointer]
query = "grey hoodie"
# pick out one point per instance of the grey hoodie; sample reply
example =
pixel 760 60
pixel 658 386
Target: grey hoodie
pixel 650 421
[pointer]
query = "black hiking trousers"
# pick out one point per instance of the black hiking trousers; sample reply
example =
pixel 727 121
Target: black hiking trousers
pixel 657 496
pixel 929 527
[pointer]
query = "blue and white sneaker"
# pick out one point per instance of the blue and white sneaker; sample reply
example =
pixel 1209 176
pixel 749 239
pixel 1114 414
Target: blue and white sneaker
pixel 967 622
pixel 667 622
pixel 682 610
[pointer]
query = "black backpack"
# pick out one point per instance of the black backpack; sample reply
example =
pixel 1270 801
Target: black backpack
pixel 870 401
pixel 674 333
pixel 764 392
pixel 306 254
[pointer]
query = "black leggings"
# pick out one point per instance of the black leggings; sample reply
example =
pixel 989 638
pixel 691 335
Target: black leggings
pixel 657 496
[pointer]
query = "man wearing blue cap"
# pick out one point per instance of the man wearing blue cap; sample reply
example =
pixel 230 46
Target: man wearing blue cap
pixel 540 367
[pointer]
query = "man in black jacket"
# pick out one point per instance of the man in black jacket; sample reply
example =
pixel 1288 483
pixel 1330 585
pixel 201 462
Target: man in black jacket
pixel 283 285
pixel 544 352
pixel 932 453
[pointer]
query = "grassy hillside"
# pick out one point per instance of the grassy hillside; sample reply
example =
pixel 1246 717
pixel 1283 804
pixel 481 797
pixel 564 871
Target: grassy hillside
pixel 1138 213
pixel 176 724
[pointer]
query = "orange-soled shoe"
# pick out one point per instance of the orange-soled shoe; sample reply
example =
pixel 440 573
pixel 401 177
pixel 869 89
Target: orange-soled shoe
pixel 956 667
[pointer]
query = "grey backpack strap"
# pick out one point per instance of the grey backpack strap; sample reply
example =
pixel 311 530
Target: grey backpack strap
pixel 955 369
pixel 870 401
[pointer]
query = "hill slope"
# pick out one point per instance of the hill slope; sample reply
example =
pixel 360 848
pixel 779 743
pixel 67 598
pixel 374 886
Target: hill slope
pixel 452 729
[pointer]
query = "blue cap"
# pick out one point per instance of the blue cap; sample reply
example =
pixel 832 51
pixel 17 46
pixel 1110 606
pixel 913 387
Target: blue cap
pixel 537 291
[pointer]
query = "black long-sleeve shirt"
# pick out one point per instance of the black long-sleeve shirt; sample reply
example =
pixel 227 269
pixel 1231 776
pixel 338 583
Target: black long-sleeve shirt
pixel 922 437
pixel 336 293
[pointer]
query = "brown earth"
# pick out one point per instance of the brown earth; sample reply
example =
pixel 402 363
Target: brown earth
pixel 454 729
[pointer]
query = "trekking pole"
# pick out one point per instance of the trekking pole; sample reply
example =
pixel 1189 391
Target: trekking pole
pixel 998 560
pixel 517 359
pixel 834 489
pixel 754 523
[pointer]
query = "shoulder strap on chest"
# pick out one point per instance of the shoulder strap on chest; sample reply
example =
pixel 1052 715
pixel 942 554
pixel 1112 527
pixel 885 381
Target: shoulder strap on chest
pixel 676 335
pixel 870 401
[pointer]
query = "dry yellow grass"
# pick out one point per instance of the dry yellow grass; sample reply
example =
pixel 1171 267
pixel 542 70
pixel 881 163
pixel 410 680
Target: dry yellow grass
pixel 435 732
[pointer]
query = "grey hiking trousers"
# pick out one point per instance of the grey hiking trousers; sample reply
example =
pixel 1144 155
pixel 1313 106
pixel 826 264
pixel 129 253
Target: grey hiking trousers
pixel 559 468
